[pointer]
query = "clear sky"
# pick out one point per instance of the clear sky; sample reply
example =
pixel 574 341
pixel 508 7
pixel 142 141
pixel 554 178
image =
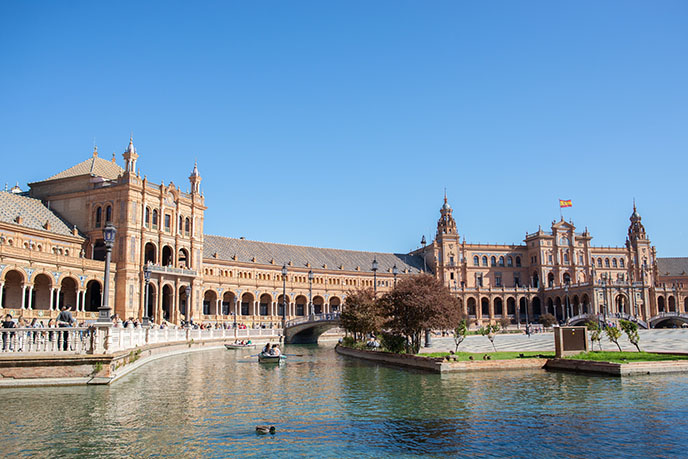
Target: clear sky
pixel 340 123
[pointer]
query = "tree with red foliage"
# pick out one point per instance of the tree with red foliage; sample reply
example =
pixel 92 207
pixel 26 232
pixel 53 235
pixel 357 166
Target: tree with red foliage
pixel 419 302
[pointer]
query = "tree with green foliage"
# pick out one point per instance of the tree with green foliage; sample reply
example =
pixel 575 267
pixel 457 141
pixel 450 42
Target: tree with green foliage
pixel 547 320
pixel 360 313
pixel 595 333
pixel 613 334
pixel 419 302
pixel 460 333
pixel 631 330
pixel 489 331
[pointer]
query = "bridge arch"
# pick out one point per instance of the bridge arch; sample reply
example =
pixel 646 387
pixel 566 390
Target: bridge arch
pixel 307 330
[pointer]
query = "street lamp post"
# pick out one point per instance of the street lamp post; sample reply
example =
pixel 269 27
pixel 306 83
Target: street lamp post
pixel 395 271
pixel 374 268
pixel 188 304
pixel 284 296
pixel 423 242
pixel 146 277
pixel 310 292
pixel 109 233
pixel 568 304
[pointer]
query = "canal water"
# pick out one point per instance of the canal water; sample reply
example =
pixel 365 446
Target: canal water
pixel 207 404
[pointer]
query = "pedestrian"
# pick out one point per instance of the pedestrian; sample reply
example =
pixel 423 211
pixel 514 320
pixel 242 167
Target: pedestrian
pixel 7 337
pixel 64 320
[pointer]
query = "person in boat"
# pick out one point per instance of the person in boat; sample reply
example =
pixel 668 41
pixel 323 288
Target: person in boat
pixel 266 349
pixel 248 343
pixel 275 350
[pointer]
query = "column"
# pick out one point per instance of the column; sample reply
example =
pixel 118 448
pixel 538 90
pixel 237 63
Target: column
pixel 77 306
pixel 218 309
pixel 30 305
pixel 158 306
pixel 52 298
pixel 174 314
pixel 2 291
pixel 23 303
pixel 57 298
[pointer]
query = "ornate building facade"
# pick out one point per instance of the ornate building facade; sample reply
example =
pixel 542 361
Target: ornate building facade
pixel 52 252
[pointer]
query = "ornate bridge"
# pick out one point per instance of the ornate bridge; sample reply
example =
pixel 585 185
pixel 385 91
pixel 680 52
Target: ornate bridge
pixel 581 319
pixel 675 318
pixel 306 330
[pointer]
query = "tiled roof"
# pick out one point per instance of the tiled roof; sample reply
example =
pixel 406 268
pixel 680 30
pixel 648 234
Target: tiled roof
pixel 94 165
pixel 34 214
pixel 674 266
pixel 264 252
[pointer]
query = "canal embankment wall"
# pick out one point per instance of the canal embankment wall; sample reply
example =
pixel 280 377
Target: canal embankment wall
pixel 18 370
pixel 440 365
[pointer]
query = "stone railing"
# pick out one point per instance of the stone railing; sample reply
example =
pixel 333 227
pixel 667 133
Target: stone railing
pixel 102 340
pixel 314 318
pixel 172 270
pixel 41 340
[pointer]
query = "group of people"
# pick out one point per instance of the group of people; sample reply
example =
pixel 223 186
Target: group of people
pixel 16 340
pixel 272 349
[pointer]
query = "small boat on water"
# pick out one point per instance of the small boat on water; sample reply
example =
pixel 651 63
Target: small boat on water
pixel 240 346
pixel 267 358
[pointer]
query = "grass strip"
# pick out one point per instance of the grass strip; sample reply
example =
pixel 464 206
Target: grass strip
pixel 465 356
pixel 626 357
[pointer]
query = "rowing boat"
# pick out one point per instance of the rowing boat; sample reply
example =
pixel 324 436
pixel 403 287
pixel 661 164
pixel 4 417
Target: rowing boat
pixel 240 346
pixel 267 358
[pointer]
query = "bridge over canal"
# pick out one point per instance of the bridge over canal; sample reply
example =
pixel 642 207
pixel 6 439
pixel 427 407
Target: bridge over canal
pixel 307 330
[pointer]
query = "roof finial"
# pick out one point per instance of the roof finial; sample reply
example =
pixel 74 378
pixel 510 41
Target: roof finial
pixel 634 205
pixel 445 194
pixel 95 150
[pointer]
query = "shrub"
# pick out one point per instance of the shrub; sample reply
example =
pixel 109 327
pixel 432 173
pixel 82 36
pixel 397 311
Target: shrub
pixel 348 341
pixel 613 334
pixel 489 331
pixel 547 320
pixel 460 333
pixel 392 343
pixel 595 333
pixel 504 322
pixel 631 330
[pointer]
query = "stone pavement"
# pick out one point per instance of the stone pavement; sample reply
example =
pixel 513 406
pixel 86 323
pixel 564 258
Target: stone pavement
pixel 660 340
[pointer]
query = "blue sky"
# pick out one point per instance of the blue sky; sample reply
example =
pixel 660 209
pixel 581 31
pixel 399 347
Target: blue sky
pixel 339 124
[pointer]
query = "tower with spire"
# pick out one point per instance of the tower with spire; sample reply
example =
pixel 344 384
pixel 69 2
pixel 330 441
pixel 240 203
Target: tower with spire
pixel 195 180
pixel 641 253
pixel 130 157
pixel 447 248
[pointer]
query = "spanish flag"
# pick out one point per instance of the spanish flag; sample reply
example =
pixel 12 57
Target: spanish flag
pixel 565 203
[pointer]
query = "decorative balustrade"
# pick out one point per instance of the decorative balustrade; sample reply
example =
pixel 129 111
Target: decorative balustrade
pixel 313 318
pixel 69 340
pixel 171 270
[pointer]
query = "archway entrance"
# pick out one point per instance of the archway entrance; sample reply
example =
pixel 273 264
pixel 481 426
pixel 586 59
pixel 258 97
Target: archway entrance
pixel 93 298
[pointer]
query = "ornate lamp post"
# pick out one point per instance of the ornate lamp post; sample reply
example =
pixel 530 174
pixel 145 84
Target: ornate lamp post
pixel 374 269
pixel 284 296
pixel 187 290
pixel 109 233
pixel 568 305
pixel 395 271
pixel 310 292
pixel 423 242
pixel 146 277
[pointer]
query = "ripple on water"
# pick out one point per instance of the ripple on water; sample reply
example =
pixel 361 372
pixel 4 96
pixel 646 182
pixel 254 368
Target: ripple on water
pixel 208 404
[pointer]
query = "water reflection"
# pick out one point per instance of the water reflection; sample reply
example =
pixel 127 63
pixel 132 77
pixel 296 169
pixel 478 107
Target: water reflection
pixel 208 404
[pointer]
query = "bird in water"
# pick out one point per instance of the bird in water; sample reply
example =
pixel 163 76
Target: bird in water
pixel 265 429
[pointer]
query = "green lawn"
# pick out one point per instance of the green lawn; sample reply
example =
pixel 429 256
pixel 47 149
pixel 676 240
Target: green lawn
pixel 463 356
pixel 625 357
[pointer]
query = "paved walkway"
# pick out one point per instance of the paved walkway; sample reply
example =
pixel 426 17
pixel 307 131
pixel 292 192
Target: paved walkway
pixel 666 340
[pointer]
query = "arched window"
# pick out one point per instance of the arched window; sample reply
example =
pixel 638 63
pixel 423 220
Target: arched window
pixel 493 261
pixel 108 214
pixel 566 258
pixel 186 226
pixel 606 262
pixel 509 262
pixel 599 262
pixel 621 262
pixel 155 218
pixel 181 224
pixel 146 220
pixel 518 262
pixel 501 261
pixel 484 261
pixel 99 216
pixel 476 261
pixel 614 262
